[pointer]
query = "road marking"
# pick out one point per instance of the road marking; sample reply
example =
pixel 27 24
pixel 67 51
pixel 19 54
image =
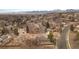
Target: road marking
pixel 64 42
pixel 69 46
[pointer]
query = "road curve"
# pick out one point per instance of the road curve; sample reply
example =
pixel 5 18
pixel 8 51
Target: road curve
pixel 63 42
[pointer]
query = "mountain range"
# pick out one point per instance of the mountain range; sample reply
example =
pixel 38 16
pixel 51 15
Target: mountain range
pixel 21 11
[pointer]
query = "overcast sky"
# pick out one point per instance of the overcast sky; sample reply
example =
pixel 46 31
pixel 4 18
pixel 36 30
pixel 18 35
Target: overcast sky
pixel 39 4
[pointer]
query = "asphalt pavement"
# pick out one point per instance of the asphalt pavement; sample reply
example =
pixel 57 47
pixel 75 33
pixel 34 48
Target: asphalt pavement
pixel 62 43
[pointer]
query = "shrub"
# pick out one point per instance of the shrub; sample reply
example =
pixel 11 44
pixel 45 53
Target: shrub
pixel 32 43
pixel 27 29
pixel 77 36
pixel 50 37
pixel 72 28
pixel 4 31
pixel 47 25
pixel 16 31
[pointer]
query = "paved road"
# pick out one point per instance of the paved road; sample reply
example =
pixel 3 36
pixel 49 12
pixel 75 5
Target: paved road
pixel 63 43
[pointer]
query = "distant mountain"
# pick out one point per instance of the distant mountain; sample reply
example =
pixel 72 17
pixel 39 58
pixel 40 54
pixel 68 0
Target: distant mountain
pixel 21 11
pixel 72 10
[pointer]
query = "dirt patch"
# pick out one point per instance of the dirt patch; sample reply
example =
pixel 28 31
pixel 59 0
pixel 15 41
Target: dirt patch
pixel 73 42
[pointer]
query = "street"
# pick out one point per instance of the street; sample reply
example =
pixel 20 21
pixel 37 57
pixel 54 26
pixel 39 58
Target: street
pixel 63 42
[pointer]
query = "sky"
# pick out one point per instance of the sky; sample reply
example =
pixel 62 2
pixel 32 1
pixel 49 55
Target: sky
pixel 39 4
